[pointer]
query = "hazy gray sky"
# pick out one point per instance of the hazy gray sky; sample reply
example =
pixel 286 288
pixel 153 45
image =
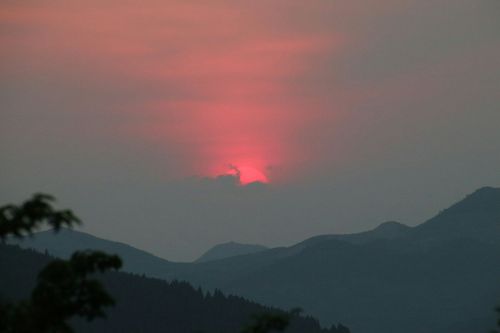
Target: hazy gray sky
pixel 354 112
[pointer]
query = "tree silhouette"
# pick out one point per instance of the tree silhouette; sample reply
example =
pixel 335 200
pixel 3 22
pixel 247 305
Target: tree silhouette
pixel 22 220
pixel 65 288
pixel 498 321
pixel 271 322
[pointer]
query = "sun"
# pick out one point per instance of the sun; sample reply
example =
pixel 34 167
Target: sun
pixel 247 174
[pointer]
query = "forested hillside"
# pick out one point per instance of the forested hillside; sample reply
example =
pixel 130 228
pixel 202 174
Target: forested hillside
pixel 147 304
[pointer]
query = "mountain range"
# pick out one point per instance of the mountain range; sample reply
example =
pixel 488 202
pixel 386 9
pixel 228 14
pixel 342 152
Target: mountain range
pixel 148 305
pixel 440 276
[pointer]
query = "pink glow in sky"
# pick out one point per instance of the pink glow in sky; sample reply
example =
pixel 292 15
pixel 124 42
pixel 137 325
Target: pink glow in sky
pixel 354 112
pixel 276 86
pixel 223 74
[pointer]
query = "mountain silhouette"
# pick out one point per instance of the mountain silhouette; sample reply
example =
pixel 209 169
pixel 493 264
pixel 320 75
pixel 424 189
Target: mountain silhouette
pixel 440 276
pixel 229 249
pixel 67 241
pixel 475 217
pixel 145 304
pixel 386 230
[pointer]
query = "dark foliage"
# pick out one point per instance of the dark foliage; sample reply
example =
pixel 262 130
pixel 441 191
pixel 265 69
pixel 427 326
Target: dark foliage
pixel 268 322
pixel 67 290
pixel 20 220
pixel 64 288
pixel 146 304
pixel 498 321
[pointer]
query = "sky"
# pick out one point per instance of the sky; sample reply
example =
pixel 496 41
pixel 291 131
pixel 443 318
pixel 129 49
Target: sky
pixel 176 125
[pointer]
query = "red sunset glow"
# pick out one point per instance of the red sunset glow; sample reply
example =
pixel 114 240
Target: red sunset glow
pixel 247 174
pixel 223 77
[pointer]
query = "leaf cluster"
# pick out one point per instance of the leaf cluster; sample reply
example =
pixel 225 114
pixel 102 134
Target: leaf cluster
pixel 65 288
pixel 21 220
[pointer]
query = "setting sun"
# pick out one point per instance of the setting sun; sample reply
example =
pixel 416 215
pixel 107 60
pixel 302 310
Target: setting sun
pixel 248 174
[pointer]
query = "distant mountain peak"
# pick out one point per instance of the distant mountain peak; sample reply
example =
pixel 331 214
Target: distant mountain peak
pixel 485 198
pixel 477 216
pixel 229 249
pixel 392 226
pixel 485 193
pixel 486 189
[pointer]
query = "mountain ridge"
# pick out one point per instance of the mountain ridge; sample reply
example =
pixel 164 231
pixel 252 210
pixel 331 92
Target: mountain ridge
pixel 445 269
pixel 146 304
pixel 373 281
pixel 66 241
pixel 229 249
